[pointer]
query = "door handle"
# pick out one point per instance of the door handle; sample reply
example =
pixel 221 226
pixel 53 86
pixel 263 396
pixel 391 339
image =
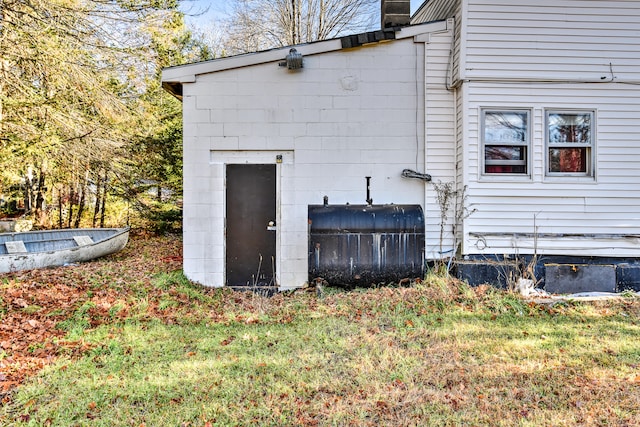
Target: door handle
pixel 271 226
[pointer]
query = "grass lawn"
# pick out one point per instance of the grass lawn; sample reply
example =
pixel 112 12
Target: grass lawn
pixel 128 341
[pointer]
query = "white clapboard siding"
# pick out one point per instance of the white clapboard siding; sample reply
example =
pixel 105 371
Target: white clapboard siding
pixel 440 131
pixel 608 204
pixel 584 246
pixel 548 54
pixel 434 10
pixel 550 39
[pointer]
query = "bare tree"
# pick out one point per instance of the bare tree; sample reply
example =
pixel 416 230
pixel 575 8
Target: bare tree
pixel 255 25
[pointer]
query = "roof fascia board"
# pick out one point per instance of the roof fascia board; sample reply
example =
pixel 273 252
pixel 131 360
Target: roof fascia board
pixel 425 37
pixel 417 30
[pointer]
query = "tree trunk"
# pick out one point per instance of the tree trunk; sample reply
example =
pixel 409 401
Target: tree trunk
pixel 321 20
pixel 294 20
pixel 72 195
pixel 27 194
pixel 2 84
pixel 96 209
pixel 76 223
pixel 40 193
pixel 83 192
pixel 60 207
pixel 104 199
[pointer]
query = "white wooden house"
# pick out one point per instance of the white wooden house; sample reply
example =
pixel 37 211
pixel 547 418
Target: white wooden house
pixel 547 145
pixel 530 111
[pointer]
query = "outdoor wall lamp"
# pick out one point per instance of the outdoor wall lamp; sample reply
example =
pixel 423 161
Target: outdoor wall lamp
pixel 293 60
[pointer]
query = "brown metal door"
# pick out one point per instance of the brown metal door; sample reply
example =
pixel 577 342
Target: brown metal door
pixel 250 222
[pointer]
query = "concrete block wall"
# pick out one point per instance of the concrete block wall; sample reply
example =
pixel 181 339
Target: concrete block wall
pixel 346 115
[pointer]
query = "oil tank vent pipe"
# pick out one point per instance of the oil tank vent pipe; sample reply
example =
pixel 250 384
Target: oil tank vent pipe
pixel 408 173
pixel 369 199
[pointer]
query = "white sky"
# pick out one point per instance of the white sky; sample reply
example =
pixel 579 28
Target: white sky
pixel 210 10
pixel 205 10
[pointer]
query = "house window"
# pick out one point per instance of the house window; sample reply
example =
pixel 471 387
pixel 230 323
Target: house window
pixel 505 142
pixel 570 143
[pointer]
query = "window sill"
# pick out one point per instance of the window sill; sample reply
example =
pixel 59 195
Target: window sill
pixel 555 179
pixel 505 178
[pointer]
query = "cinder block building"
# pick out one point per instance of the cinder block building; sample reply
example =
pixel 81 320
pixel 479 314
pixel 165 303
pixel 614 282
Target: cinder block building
pixel 526 112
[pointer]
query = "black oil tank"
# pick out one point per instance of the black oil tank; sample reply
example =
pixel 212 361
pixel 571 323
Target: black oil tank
pixel 362 245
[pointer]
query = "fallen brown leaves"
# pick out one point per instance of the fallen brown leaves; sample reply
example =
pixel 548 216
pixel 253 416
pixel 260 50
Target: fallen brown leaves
pixel 33 303
pixel 448 377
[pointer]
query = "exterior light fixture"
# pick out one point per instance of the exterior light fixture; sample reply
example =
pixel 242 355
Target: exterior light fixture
pixel 293 60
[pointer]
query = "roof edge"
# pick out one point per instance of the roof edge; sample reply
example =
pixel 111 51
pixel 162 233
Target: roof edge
pixel 187 73
pixel 173 77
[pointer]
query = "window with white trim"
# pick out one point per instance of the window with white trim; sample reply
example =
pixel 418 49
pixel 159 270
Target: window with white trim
pixel 505 142
pixel 570 143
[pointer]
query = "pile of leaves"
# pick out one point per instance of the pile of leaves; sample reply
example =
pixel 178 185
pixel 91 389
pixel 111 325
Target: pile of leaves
pixel 37 306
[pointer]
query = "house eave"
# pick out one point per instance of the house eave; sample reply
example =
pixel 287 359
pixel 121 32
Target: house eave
pixel 174 88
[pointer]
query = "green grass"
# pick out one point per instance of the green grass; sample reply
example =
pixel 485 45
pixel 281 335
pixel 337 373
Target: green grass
pixel 434 354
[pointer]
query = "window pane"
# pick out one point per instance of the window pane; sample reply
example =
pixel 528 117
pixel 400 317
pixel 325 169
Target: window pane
pixel 505 159
pixel 568 160
pixel 505 127
pixel 570 128
pixel 504 152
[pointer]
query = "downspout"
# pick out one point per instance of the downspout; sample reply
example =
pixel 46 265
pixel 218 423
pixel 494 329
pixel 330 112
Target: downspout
pixel 452 87
pixel 425 141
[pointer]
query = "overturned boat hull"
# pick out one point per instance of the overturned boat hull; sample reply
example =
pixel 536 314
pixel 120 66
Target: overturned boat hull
pixel 51 248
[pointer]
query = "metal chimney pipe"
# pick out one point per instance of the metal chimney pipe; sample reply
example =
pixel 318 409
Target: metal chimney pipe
pixel 395 13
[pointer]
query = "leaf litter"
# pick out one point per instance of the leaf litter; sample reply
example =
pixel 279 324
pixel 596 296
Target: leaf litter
pixel 35 304
pixel 41 309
